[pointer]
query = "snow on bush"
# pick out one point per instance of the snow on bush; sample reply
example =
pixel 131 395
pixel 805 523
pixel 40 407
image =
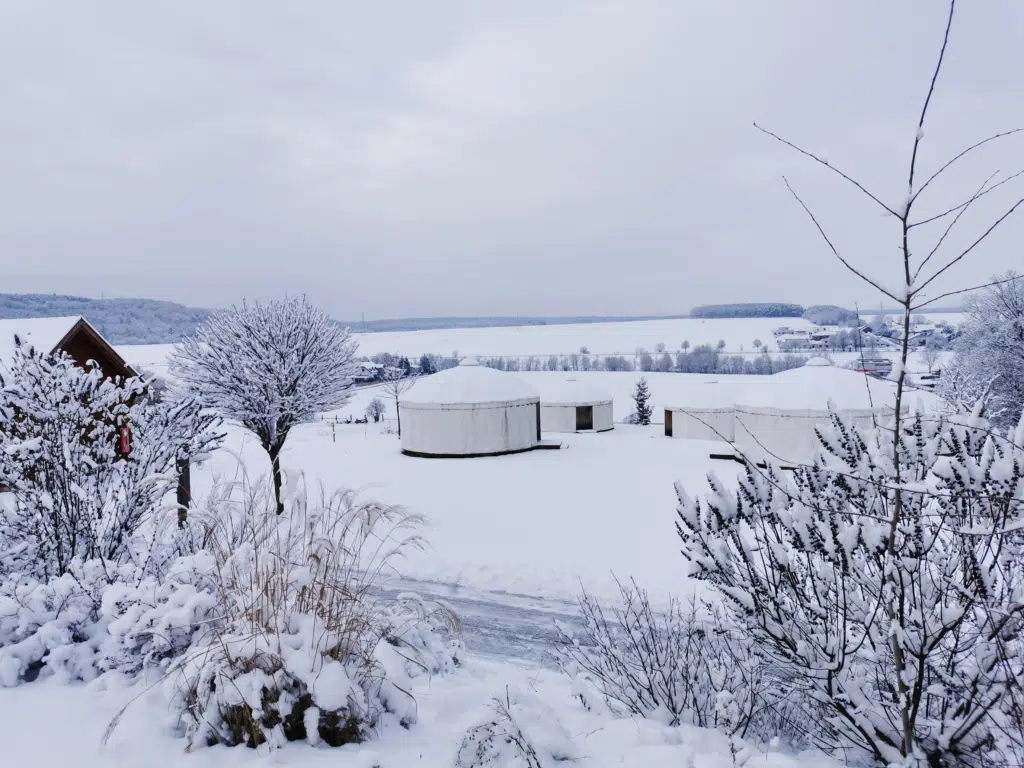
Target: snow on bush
pixel 82 516
pixel 887 580
pixel 75 498
pixel 519 731
pixel 99 617
pixel 684 665
pixel 305 647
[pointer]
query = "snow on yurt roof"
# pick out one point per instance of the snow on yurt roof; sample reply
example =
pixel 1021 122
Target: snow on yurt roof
pixel 812 386
pixel 722 393
pixel 42 333
pixel 572 392
pixel 469 383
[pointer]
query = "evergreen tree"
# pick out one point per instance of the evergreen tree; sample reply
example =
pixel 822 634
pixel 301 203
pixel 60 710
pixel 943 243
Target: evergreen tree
pixel 640 397
pixel 426 366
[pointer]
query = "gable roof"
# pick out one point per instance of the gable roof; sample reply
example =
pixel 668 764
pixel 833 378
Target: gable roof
pixel 48 334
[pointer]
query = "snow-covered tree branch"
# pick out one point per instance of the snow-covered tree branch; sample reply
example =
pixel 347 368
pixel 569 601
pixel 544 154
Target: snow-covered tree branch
pixel 269 367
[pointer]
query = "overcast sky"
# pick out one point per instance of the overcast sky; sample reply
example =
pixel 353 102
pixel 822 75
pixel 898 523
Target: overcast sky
pixel 457 157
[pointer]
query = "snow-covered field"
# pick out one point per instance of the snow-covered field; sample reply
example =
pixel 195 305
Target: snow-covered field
pixel 622 338
pixel 601 339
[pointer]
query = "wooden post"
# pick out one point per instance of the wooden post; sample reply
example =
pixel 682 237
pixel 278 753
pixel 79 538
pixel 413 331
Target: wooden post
pixel 184 490
pixel 334 437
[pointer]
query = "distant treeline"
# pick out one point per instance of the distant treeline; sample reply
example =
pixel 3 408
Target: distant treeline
pixel 433 323
pixel 770 309
pixel 829 314
pixel 700 359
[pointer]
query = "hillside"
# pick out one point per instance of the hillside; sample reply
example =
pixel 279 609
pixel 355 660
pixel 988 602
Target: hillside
pixel 147 321
pixel 121 321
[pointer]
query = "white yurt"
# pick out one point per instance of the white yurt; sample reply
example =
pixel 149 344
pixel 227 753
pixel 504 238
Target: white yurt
pixel 777 421
pixel 572 405
pixel 468 411
pixel 708 413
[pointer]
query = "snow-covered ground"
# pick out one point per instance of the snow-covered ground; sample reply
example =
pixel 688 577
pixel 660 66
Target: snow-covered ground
pixel 537 523
pixel 46 724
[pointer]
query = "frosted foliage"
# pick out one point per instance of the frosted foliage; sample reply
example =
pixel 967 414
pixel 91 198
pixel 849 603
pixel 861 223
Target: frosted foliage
pixel 989 354
pixel 675 666
pixel 894 600
pixel 303 646
pixel 73 496
pixel 519 731
pixel 269 366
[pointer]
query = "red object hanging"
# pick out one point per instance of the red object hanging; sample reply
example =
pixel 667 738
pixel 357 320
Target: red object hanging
pixel 124 439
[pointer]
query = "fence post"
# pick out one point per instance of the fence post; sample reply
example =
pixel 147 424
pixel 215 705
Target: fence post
pixel 184 490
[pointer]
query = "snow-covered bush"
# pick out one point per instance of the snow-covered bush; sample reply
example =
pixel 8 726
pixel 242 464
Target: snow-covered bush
pixel 100 616
pixel 305 646
pixel 519 731
pixel 887 580
pixel 685 664
pixel 269 367
pixel 75 496
pixel 989 353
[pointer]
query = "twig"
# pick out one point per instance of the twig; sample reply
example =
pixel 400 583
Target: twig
pixel 966 151
pixel 955 208
pixel 990 284
pixel 835 251
pixel 924 112
pixel 828 165
pixel 971 247
pixel 963 210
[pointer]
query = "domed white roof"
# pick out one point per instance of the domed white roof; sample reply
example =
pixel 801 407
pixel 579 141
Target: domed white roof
pixel 469 383
pixel 818 362
pixel 572 392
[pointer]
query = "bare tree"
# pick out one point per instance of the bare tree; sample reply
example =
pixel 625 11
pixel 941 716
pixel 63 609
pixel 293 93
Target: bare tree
pixel 269 367
pixel 395 383
pixel 375 409
pixel 931 352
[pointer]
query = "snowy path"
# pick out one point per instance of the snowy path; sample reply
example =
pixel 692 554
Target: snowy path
pixel 498 624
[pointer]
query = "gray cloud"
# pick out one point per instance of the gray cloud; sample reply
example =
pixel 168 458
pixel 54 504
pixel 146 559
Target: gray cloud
pixel 467 158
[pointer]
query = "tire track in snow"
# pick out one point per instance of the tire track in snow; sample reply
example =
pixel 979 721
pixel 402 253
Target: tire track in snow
pixel 496 623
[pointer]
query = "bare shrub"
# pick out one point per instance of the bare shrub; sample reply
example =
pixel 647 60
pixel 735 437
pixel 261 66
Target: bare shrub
pixel 683 665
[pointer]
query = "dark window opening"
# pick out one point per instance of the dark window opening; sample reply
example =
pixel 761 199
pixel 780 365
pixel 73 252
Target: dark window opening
pixel 668 423
pixel 538 422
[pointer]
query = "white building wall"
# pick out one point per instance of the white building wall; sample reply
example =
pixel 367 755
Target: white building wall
pixel 562 418
pixel 703 423
pixel 604 417
pixel 558 418
pixel 469 430
pixel 788 436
